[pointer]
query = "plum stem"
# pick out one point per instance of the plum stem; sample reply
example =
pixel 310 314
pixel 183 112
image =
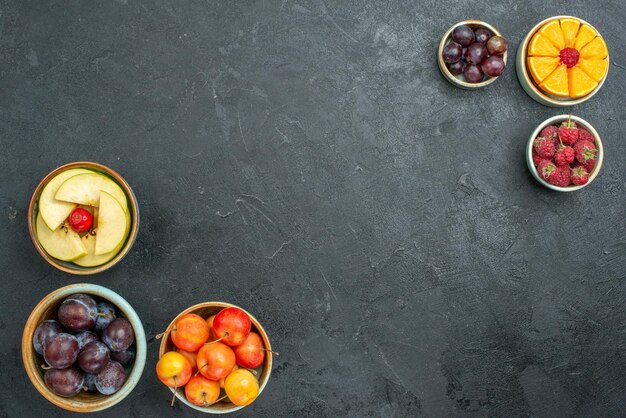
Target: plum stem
pixel 174 395
pixel 220 399
pixel 159 336
pixel 270 351
pixel 46 367
pixel 218 340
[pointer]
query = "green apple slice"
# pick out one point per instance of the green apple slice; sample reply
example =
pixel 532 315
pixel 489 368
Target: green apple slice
pixel 91 259
pixel 112 224
pixel 85 189
pixel 55 212
pixel 61 243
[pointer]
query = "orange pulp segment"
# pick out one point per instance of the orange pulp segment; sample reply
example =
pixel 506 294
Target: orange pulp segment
pixel 557 82
pixel 595 49
pixel 595 68
pixel 580 84
pixel 541 46
pixel 569 27
pixel 541 67
pixel 552 31
pixel 585 35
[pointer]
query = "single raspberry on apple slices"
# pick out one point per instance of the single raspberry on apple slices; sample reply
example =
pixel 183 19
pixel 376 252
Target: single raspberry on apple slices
pixel 80 220
pixel 569 57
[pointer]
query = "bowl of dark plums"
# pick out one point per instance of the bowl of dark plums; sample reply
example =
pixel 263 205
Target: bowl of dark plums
pixel 84 348
pixel 472 54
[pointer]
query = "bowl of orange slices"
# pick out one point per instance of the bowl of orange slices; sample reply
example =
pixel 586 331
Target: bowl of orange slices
pixel 562 61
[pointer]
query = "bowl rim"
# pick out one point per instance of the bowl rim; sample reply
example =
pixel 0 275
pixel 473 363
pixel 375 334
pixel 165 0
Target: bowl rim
pixel 266 366
pixel 523 72
pixel 551 121
pixel 444 68
pixel 28 352
pixel 69 267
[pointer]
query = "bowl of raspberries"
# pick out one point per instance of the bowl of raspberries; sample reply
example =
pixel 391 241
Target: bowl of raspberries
pixel 564 153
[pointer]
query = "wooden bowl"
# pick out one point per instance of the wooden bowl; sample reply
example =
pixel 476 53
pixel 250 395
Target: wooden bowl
pixel 556 120
pixel 526 80
pixel 69 267
pixel 205 310
pixel 83 401
pixel 458 80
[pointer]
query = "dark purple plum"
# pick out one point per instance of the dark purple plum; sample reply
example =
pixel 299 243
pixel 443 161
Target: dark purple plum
pixel 493 66
pixel 452 53
pixel 473 73
pixel 483 35
pixel 78 312
pixel 457 67
pixel 118 335
pixel 496 45
pixel 111 378
pixel 124 357
pixel 94 357
pixel 476 53
pixel 61 350
pixel 44 331
pixel 463 35
pixel 90 382
pixel 106 314
pixel 64 382
pixel 86 337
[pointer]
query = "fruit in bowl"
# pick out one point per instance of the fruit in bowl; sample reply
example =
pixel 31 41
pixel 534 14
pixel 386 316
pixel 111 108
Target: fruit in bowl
pixel 472 54
pixel 562 61
pixel 565 153
pixel 215 357
pixel 83 218
pixel 84 348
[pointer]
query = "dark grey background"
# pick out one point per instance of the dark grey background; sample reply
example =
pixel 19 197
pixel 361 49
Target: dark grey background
pixel 307 161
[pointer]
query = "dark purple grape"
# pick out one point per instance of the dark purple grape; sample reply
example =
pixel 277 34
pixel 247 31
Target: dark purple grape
pixel 496 45
pixel 118 335
pixel 457 67
pixel 64 382
pixel 463 35
pixel 85 337
pixel 61 350
pixel 493 66
pixel 452 52
pixel 483 35
pixel 473 73
pixel 94 357
pixel 111 378
pixel 78 312
pixel 124 357
pixel 106 314
pixel 90 382
pixel 476 53
pixel 44 331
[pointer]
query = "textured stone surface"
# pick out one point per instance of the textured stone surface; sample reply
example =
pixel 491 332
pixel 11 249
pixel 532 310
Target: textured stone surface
pixel 307 161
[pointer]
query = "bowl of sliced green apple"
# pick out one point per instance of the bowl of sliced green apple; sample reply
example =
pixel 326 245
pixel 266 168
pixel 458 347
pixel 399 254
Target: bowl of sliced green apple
pixel 83 218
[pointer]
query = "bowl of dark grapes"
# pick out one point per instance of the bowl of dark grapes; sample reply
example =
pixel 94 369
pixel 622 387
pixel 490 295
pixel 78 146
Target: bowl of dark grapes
pixel 84 348
pixel 472 54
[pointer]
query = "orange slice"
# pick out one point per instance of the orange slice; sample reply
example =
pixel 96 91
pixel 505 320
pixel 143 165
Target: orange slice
pixel 542 47
pixel 595 49
pixel 580 84
pixel 569 27
pixel 552 31
pixel 595 69
pixel 541 67
pixel 585 35
pixel 556 83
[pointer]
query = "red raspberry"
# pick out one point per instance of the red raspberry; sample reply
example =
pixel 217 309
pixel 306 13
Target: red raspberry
pixel 586 152
pixel 568 133
pixel 589 166
pixel 585 135
pixel 579 176
pixel 549 131
pixel 537 158
pixel 546 169
pixel 564 155
pixel 544 147
pixel 569 56
pixel 560 177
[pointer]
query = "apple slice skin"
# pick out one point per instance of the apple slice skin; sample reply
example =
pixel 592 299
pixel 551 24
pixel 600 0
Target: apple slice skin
pixel 53 211
pixel 65 246
pixel 112 224
pixel 91 259
pixel 85 189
